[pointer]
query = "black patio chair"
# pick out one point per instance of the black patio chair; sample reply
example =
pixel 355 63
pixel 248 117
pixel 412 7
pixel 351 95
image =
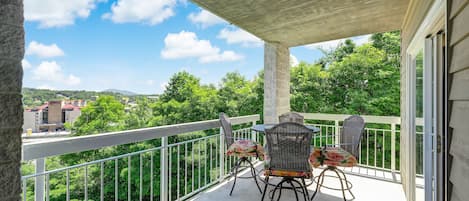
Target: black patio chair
pixel 287 152
pixel 243 149
pixel 344 154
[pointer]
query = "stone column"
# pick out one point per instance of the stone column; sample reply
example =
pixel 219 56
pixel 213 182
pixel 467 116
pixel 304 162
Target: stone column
pixel 11 109
pixel 276 81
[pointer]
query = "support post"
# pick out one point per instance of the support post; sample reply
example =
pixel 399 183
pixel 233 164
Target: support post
pixel 39 186
pixel 164 169
pixel 276 81
pixel 222 154
pixel 393 147
pixel 11 112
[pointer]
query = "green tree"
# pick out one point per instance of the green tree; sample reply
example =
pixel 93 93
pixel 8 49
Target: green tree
pixel 103 115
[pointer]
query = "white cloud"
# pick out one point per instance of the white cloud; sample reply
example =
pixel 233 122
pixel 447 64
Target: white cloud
pixel 141 11
pixel 45 86
pixel 186 45
pixel 163 85
pixel 293 61
pixel 43 51
pixel 333 44
pixel 52 72
pixel 150 82
pixel 25 63
pixel 57 13
pixel 234 36
pixel 205 18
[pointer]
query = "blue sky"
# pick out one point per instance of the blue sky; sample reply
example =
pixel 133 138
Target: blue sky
pixel 136 45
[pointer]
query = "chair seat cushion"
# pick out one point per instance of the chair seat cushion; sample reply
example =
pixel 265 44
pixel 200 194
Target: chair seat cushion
pixel 332 156
pixel 246 148
pixel 287 173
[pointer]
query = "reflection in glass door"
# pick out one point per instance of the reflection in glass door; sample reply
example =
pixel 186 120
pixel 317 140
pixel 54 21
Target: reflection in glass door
pixel 419 132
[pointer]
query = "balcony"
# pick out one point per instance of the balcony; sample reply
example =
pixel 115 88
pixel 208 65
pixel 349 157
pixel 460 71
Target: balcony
pixel 187 162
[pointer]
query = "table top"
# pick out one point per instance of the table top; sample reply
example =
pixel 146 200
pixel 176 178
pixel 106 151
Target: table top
pixel 262 127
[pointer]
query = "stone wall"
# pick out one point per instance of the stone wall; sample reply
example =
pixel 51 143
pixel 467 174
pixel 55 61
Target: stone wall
pixel 11 110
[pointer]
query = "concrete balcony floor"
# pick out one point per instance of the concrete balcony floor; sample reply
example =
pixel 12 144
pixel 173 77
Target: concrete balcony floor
pixel 365 188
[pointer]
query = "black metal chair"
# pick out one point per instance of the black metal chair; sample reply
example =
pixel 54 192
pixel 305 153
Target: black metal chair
pixel 243 149
pixel 344 154
pixel 287 152
pixel 291 117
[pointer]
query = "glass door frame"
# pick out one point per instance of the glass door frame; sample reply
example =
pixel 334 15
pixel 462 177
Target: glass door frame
pixel 434 21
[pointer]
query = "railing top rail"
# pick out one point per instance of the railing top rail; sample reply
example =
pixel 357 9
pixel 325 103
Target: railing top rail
pixel 368 118
pixel 36 150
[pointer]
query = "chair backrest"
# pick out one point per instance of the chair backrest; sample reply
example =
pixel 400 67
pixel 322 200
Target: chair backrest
pixel 227 129
pixel 291 117
pixel 289 146
pixel 351 134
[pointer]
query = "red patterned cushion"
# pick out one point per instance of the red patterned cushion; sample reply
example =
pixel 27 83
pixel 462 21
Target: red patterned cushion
pixel 332 156
pixel 286 173
pixel 246 148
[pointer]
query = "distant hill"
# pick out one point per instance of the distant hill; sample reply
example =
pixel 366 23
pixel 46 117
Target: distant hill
pixel 123 92
pixel 36 97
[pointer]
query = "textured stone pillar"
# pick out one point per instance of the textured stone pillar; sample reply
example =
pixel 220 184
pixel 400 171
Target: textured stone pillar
pixel 11 109
pixel 276 81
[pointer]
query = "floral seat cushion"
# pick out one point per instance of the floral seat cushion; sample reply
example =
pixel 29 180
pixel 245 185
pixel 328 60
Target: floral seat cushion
pixel 283 173
pixel 332 156
pixel 246 148
pixel 287 173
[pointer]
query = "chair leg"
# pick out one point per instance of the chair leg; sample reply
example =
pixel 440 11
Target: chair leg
pixel 349 188
pixel 341 184
pixel 265 187
pixel 280 193
pixel 253 173
pixel 305 189
pixel 294 190
pixel 238 163
pixel 279 185
pixel 318 186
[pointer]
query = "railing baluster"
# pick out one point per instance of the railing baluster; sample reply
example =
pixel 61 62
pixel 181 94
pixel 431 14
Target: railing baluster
pixel 39 180
pixel 367 147
pixel 198 174
pixel 68 185
pixel 384 149
pixel 375 136
pixel 86 183
pixel 193 162
pixel 151 176
pixel 24 189
pixel 393 147
pixel 101 192
pixel 170 171
pixel 47 188
pixel 185 168
pixel 337 136
pixel 178 168
pixel 205 162
pixel 140 179
pixel 164 169
pixel 129 166
pixel 320 138
pixel 222 154
pixel 211 163
pixel 116 179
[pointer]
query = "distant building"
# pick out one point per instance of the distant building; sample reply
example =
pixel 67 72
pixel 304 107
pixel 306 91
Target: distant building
pixel 52 115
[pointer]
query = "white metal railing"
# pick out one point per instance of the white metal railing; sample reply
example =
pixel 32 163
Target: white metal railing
pixel 185 168
pixel 176 170
pixel 377 149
